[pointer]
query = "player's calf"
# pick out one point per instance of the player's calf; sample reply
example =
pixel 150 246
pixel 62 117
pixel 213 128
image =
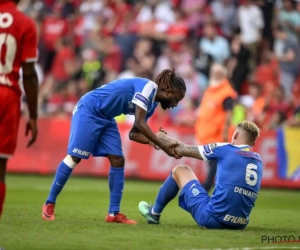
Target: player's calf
pixel 62 175
pixel 116 179
pixel 3 163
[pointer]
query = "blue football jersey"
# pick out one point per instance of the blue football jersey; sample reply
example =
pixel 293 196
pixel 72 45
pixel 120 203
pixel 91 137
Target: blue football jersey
pixel 238 179
pixel 121 96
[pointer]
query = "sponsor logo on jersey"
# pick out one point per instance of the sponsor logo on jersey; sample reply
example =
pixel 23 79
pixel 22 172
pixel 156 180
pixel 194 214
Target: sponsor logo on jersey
pixel 235 219
pixel 81 152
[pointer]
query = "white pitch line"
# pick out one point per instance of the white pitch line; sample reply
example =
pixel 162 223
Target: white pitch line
pixel 243 248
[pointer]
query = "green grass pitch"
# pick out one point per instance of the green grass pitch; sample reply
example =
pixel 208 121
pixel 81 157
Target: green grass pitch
pixel 82 206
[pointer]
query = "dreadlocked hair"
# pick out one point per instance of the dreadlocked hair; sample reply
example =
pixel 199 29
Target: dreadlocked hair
pixel 168 81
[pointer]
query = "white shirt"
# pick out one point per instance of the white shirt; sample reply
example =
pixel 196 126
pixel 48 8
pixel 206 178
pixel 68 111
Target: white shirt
pixel 251 21
pixel 218 48
pixel 163 12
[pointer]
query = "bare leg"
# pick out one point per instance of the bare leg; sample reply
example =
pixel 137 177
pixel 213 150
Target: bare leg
pixel 179 177
pixel 182 175
pixel 3 163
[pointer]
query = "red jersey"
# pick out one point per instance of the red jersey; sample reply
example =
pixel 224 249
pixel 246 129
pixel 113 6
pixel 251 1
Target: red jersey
pixel 59 69
pixel 18 44
pixel 78 31
pixel 180 28
pixel 52 30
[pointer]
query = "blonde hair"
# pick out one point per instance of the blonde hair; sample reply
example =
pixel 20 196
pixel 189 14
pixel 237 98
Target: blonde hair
pixel 251 129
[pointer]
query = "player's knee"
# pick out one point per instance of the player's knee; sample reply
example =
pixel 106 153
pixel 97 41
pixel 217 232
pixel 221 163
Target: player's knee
pixel 71 161
pixel 116 161
pixel 179 169
pixel 76 159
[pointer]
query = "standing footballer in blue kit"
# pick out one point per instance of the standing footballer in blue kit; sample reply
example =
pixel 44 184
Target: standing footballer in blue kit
pixel 94 131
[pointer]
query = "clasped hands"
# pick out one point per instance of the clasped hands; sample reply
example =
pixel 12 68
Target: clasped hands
pixel 168 144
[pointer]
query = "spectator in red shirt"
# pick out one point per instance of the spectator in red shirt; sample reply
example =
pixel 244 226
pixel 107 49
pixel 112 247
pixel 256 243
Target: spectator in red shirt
pixel 53 28
pixel 111 53
pixel 121 11
pixel 178 31
pixel 277 108
pixel 70 98
pixel 63 63
pixel 76 24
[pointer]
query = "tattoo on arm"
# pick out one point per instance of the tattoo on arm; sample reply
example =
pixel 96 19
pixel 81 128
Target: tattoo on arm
pixel 165 139
pixel 191 151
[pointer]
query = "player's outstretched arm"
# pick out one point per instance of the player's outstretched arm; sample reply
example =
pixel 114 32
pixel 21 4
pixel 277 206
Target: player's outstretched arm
pixel 182 149
pixel 30 82
pixel 137 136
pixel 143 128
pixel 191 151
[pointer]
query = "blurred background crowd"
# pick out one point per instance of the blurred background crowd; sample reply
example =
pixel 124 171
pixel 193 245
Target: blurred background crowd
pixel 253 44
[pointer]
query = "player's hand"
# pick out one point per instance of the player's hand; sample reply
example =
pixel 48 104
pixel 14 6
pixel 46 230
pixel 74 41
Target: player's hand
pixel 161 130
pixel 31 126
pixel 153 145
pixel 170 150
pixel 157 134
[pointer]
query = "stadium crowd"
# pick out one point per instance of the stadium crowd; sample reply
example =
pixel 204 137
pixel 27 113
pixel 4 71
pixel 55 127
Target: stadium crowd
pixel 85 44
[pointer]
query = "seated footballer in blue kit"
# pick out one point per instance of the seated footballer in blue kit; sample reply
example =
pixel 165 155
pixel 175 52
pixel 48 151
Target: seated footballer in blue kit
pixel 94 131
pixel 238 179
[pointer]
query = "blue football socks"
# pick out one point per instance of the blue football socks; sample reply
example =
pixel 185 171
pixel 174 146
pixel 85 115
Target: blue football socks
pixel 62 175
pixel 167 192
pixel 116 184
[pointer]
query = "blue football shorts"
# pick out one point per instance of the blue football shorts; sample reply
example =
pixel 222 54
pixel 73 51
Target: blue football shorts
pixel 92 133
pixel 194 199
